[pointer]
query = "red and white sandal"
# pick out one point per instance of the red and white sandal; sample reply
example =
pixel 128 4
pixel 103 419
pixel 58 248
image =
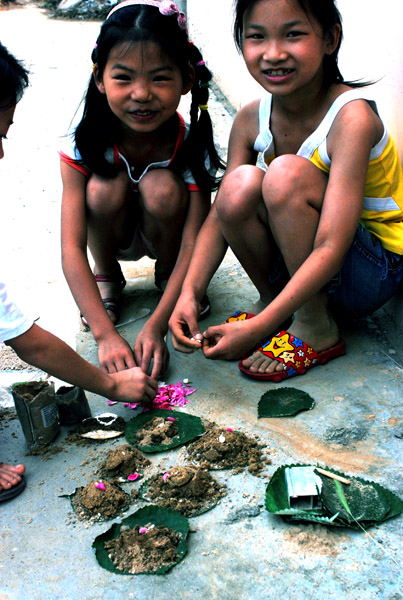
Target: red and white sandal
pixel 110 303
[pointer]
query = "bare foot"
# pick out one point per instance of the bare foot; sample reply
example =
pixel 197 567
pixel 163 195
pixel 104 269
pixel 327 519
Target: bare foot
pixel 10 475
pixel 318 337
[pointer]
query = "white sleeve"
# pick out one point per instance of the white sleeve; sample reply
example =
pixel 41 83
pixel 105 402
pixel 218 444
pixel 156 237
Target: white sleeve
pixel 12 321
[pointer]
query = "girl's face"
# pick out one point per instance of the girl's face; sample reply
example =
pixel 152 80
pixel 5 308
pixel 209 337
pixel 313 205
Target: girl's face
pixel 143 85
pixel 6 119
pixel 283 47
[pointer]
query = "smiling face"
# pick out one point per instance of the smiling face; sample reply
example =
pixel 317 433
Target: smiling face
pixel 283 47
pixel 143 86
pixel 6 119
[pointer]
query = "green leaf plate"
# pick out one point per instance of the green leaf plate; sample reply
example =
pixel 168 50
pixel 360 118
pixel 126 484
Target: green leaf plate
pixel 149 514
pixel 284 402
pixel 189 428
pixel 367 501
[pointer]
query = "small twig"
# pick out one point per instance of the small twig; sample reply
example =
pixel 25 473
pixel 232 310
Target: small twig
pixel 392 359
pixel 333 475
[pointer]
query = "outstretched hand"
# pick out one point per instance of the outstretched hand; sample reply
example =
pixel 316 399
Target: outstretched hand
pixel 185 331
pixel 133 385
pixel 228 341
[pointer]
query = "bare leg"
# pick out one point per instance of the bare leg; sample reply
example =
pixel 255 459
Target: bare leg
pixel 293 192
pixel 110 208
pixel 10 475
pixel 164 200
pixel 245 226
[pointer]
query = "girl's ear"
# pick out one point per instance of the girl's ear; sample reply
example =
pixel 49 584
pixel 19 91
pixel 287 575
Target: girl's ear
pixel 98 81
pixel 189 81
pixel 333 38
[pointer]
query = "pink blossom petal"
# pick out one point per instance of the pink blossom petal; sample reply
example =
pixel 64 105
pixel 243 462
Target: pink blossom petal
pixel 165 476
pixel 133 405
pixel 230 429
pixel 111 403
pixel 133 476
pixel 143 530
pixel 171 419
pixel 100 485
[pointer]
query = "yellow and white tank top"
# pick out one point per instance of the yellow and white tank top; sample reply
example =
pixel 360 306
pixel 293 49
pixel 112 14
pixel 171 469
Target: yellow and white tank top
pixel 382 211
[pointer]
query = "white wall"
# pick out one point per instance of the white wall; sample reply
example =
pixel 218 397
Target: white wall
pixel 372 49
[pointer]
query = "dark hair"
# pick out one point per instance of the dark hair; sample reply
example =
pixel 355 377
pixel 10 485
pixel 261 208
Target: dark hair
pixel 327 15
pixel 13 79
pixel 97 130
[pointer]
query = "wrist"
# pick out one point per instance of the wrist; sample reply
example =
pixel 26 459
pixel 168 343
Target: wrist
pixel 111 388
pixel 101 336
pixel 192 292
pixel 156 326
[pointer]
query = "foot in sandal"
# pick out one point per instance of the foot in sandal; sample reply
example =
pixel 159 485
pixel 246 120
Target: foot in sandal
pixel 293 352
pixel 12 481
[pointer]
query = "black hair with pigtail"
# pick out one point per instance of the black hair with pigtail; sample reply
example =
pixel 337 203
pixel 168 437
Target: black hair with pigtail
pixel 13 79
pixel 99 128
pixel 200 142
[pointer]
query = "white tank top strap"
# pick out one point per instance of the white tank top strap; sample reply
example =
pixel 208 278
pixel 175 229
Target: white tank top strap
pixel 317 139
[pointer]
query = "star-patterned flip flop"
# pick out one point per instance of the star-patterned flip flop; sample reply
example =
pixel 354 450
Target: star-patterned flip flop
pixel 295 355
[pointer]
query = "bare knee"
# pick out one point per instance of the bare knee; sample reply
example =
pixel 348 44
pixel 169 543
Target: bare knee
pixel 292 180
pixel 240 194
pixel 163 194
pixel 106 197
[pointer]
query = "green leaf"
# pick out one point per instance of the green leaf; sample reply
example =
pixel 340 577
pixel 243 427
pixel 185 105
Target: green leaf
pixel 189 428
pixel 284 402
pixel 360 500
pixel 149 514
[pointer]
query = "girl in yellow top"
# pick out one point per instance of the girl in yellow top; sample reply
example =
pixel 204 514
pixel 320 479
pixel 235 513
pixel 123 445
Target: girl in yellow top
pixel 328 207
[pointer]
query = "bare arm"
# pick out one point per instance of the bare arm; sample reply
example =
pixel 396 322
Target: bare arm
pixel 353 134
pixel 42 349
pixel 211 246
pixel 114 352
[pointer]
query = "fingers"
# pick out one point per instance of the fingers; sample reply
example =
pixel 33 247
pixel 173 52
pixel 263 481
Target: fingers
pixel 160 363
pixel 157 353
pixel 115 356
pixel 211 342
pixel 133 385
pixel 185 334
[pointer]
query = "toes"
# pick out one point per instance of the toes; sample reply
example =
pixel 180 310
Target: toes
pixel 10 475
pixel 259 363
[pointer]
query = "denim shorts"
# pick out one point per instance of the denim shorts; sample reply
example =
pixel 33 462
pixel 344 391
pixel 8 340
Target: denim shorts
pixel 369 276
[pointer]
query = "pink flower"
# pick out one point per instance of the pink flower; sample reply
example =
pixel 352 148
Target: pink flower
pixel 168 396
pixel 171 419
pixel 165 476
pixel 100 485
pixel 230 429
pixel 143 530
pixel 133 476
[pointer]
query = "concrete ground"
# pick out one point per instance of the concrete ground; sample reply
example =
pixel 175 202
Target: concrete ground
pixel 236 551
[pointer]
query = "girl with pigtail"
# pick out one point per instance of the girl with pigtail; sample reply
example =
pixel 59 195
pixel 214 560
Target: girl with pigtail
pixel 137 179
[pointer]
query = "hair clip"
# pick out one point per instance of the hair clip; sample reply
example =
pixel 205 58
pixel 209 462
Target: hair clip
pixel 166 7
